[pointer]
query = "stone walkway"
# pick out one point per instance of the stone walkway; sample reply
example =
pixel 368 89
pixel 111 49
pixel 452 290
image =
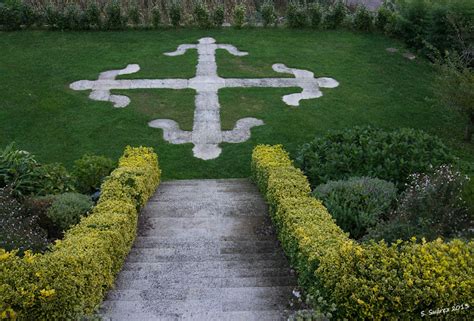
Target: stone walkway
pixel 205 250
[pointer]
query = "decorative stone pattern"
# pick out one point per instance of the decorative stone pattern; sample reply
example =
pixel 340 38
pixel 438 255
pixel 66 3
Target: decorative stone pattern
pixel 207 133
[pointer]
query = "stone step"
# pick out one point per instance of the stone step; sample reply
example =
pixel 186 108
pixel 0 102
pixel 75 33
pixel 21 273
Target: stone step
pixel 162 275
pixel 151 242
pixel 243 208
pixel 235 282
pixel 220 304
pixel 172 266
pixel 207 316
pixel 155 255
pixel 235 294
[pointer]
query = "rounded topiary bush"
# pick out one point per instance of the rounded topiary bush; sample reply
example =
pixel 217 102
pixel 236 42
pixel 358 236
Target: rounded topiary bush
pixel 67 210
pixel 367 151
pixel 357 203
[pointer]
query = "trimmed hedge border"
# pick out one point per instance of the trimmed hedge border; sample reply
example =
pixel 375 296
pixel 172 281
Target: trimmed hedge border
pixel 371 281
pixel 72 279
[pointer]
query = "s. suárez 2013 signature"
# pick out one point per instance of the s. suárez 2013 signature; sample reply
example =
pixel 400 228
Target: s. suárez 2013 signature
pixel 457 307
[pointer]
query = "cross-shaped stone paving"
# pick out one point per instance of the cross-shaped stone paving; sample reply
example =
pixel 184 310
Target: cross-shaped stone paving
pixel 207 133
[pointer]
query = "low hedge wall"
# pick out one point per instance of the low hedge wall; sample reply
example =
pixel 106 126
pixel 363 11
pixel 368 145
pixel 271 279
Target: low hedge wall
pixel 72 279
pixel 406 280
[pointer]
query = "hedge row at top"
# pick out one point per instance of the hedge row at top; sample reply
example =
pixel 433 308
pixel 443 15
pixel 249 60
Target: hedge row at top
pixel 72 279
pixel 365 282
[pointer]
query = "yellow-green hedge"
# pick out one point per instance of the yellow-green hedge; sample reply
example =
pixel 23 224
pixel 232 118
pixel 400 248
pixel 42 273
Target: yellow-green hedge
pixel 365 281
pixel 72 279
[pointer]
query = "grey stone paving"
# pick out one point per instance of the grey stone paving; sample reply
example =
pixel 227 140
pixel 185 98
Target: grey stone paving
pixel 207 133
pixel 205 250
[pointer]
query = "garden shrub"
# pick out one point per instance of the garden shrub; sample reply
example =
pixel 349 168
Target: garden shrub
pixel 363 20
pixel 383 18
pixel 175 13
pixel 19 229
pixel 54 17
pixel 156 16
pixel 218 16
pixel 315 13
pixel 90 170
pixel 432 206
pixel 357 203
pixel 365 281
pixel 336 15
pixel 454 85
pixel 11 15
pixel 268 13
pixel 201 15
pixel 92 15
pixel 134 14
pixel 239 16
pixel 17 170
pixel 38 206
pixel 114 20
pixel 49 179
pixel 25 176
pixel 67 209
pixel 367 151
pixel 296 15
pixel 72 278
pixel 73 17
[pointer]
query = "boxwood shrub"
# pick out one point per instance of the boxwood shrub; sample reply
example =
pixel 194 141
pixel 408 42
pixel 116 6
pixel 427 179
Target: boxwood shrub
pixel 371 281
pixel 72 279
pixel 369 151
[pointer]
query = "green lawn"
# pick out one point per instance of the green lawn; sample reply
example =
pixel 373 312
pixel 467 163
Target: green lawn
pixel 41 114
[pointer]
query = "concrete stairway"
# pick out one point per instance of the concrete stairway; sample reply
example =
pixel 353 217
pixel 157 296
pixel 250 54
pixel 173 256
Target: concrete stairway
pixel 205 250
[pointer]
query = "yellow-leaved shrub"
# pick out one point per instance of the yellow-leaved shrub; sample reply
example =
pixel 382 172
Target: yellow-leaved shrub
pixel 72 278
pixel 372 281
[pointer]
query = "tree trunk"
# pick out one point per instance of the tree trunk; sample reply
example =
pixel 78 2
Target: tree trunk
pixel 470 128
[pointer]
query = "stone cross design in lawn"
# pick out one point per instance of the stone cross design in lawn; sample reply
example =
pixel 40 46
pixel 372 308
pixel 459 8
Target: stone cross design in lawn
pixel 207 133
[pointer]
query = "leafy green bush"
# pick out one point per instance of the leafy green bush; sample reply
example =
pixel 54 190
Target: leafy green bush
pixel 363 20
pixel 268 13
pixel 370 281
pixel 239 16
pixel 383 18
pixel 201 15
pixel 468 195
pixel 114 20
pixel 218 16
pixel 25 176
pixel 336 15
pixel 455 89
pixel 74 17
pixel 19 229
pixel 50 179
pixel 368 151
pixel 175 13
pixel 358 203
pixel 296 15
pixel 92 15
pixel 89 172
pixel 16 170
pixel 156 16
pixel 134 14
pixel 315 12
pixel 54 17
pixel 67 210
pixel 432 206
pixel 11 15
pixel 71 280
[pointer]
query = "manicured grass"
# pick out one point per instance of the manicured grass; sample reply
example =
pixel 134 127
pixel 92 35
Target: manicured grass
pixel 44 116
